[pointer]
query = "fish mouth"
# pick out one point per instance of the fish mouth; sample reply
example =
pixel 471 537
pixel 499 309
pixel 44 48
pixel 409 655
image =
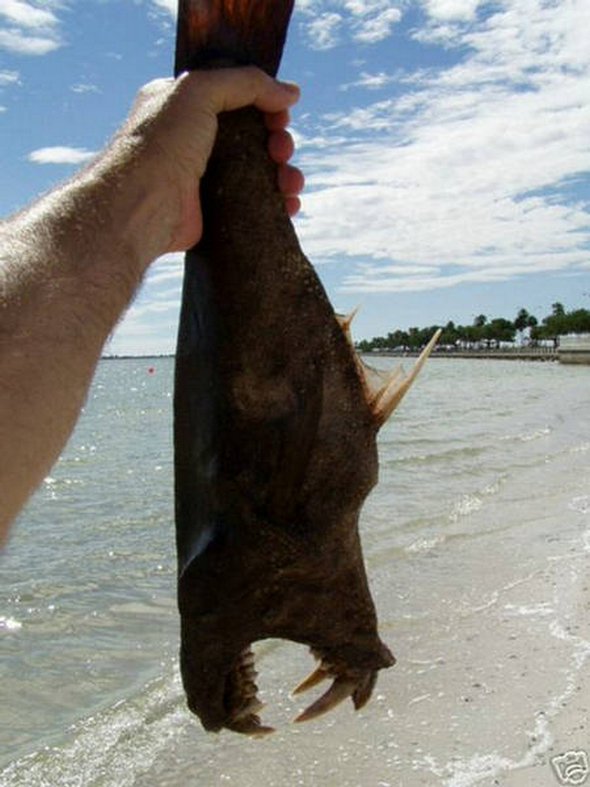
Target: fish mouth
pixel 357 684
pixel 239 707
pixel 224 610
pixel 240 697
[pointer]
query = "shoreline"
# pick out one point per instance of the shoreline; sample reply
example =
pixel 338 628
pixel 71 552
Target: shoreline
pixel 540 354
pixel 525 354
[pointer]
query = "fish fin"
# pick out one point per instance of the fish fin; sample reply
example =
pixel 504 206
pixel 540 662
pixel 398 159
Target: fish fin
pixel 345 321
pixel 214 33
pixel 385 390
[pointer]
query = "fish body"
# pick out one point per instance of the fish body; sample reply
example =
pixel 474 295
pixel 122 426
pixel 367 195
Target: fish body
pixel 275 424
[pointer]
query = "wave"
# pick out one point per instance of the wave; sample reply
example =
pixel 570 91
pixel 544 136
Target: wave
pixel 111 747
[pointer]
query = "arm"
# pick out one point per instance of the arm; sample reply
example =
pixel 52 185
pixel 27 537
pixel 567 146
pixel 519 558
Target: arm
pixel 71 263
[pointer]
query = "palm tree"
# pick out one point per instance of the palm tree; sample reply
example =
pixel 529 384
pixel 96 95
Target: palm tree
pixel 522 320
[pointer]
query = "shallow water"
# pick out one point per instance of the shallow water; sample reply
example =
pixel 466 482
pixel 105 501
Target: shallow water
pixel 476 540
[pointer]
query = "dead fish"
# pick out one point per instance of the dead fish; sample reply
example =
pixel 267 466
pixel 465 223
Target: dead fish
pixel 275 422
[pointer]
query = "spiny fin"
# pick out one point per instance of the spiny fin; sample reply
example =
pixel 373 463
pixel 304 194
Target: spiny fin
pixel 385 390
pixel 345 321
pixel 231 32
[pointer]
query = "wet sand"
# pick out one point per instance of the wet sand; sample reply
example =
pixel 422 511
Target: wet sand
pixel 477 542
pixel 492 637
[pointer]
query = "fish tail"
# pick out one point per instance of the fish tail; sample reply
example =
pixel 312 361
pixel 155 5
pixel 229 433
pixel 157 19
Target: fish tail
pixel 214 33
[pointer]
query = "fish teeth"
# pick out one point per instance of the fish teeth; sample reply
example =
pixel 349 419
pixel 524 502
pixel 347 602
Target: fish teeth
pixel 247 670
pixel 247 657
pixel 250 708
pixel 325 669
pixel 250 689
pixel 341 689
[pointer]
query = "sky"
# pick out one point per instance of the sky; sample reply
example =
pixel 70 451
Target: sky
pixel 445 144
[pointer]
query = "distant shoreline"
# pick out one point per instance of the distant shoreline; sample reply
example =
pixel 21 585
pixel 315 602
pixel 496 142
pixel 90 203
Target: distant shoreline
pixel 498 355
pixel 513 354
pixel 134 357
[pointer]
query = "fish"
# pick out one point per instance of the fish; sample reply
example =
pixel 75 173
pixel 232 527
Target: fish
pixel 275 421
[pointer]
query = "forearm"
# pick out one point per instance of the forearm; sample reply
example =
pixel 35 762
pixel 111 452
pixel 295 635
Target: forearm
pixel 71 263
pixel 69 266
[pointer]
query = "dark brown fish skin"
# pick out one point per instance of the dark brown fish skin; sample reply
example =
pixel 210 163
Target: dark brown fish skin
pixel 275 449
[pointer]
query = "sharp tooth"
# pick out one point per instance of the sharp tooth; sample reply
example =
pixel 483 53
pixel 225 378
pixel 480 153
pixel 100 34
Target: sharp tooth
pixel 248 725
pixel 248 671
pixel 250 690
pixel 364 689
pixel 249 709
pixel 251 726
pixel 247 657
pixel 258 730
pixel 338 691
pixel 317 676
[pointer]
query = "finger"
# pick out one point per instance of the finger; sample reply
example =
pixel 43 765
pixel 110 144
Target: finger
pixel 290 180
pixel 281 146
pixel 293 206
pixel 233 88
pixel 277 121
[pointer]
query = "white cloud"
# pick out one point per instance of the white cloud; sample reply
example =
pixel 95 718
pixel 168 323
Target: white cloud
pixel 452 10
pixel 468 172
pixel 378 27
pixel 84 87
pixel 152 320
pixel 60 154
pixel 9 78
pixel 28 28
pixel 371 81
pixel 21 44
pixel 167 5
pixel 323 30
pixel 331 22
pixel 26 15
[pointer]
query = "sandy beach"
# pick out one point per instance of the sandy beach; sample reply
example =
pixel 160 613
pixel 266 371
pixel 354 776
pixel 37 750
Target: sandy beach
pixel 477 543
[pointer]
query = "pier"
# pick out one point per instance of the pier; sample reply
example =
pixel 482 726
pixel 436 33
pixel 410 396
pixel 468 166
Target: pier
pixel 490 354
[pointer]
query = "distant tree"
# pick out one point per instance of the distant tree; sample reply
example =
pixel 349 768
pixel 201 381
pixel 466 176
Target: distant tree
pixel 561 322
pixel 557 309
pixel 450 334
pixel 525 321
pixel 522 320
pixel 471 334
pixel 499 330
pixel 578 321
pixel 397 339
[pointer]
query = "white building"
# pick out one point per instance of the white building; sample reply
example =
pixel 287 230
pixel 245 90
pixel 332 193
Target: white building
pixel 574 348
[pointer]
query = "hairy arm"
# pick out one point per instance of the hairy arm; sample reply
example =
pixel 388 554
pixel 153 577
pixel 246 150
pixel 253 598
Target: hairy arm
pixel 71 263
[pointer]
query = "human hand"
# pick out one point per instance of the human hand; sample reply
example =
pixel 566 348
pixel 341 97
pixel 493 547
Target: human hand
pixel 173 125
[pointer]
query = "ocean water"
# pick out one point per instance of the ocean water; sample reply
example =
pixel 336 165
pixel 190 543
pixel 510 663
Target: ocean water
pixel 477 542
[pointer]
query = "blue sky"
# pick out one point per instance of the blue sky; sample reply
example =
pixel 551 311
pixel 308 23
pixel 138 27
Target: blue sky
pixel 446 145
